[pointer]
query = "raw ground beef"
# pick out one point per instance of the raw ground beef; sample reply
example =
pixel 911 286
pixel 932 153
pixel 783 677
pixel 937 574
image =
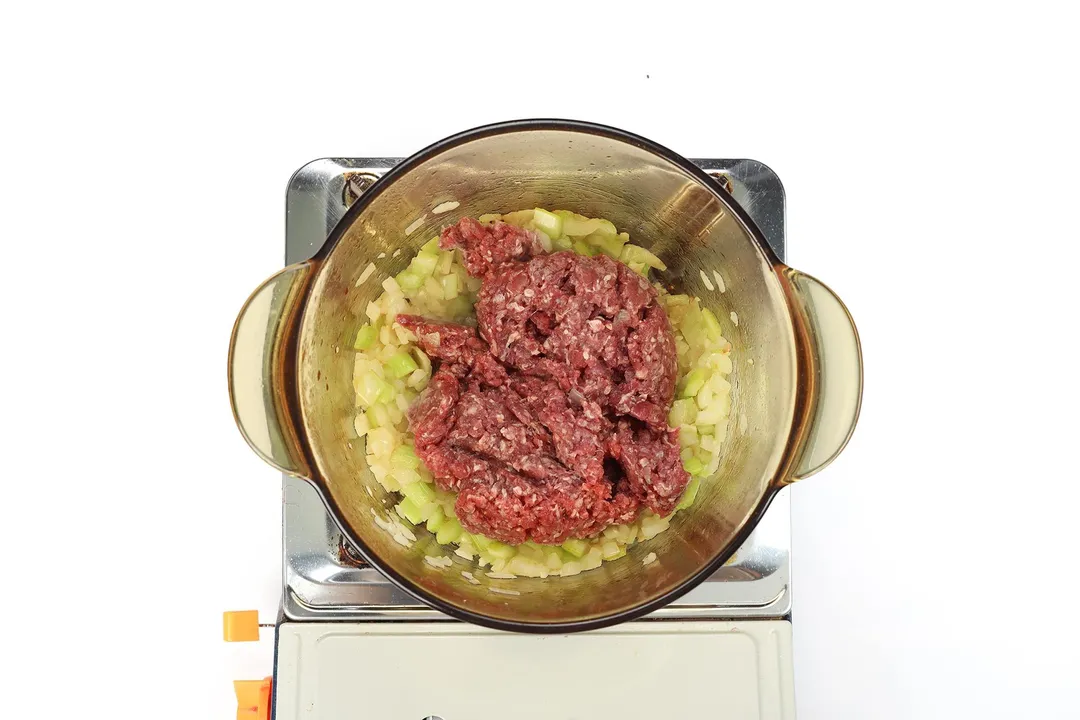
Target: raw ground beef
pixel 550 418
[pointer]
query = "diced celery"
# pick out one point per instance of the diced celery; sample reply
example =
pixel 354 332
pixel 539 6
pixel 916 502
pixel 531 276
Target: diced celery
pixel 688 435
pixel 552 559
pixel 653 525
pixel 500 550
pixel 563 243
pixel 548 223
pixel 692 383
pixel 406 476
pixel 449 532
pixel 408 280
pixel 693 466
pixel 531 551
pixel 432 289
pixel 640 268
pixel 449 286
pixel 446 262
pixel 419 492
pixel 521 565
pixel 576 547
pixel 712 325
pixel 714 412
pixel 365 337
pixel 405 457
pixel 573 567
pixel 576 225
pixel 380 441
pixel 436 519
pixel 521 218
pixel 408 509
pixel 583 248
pixel 689 494
pixel 611 549
pixel 401 364
pixel 683 412
pixel 372 388
pixel 636 254
pixel 593 559
pixel 431 247
pixel 423 265
pixel 610 245
pixel 704 400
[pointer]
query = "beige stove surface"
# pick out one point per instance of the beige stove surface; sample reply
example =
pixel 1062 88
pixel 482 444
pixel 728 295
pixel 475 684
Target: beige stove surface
pixel 451 671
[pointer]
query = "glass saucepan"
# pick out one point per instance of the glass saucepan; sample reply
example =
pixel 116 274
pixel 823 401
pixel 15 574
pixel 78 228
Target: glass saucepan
pixel 796 382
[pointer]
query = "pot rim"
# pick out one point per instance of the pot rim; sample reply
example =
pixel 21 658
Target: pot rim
pixel 415 589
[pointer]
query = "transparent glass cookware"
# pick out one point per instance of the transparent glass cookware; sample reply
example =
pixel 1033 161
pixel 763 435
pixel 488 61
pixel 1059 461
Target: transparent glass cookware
pixel 797 379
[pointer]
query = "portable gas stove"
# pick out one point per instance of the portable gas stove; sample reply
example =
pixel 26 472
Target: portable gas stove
pixel 344 630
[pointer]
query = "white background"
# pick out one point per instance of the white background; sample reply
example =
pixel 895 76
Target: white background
pixel 930 159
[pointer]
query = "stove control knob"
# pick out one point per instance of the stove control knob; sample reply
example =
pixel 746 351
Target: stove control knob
pixel 241 625
pixel 252 699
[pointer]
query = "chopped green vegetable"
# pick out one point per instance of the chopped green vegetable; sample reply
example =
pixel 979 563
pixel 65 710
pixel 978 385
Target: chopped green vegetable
pixel 365 337
pixel 548 223
pixel 408 280
pixel 431 247
pixel 449 532
pixel 401 364
pixel 419 492
pixel 693 465
pixel 449 286
pixel 683 412
pixel 712 325
pixel 424 264
pixel 576 547
pixel 583 248
pixel 436 519
pixel 408 509
pixel 405 457
pixel 576 225
pixel 689 494
pixel 692 383
pixel 521 218
pixel 373 389
pixel 610 245
pixel 636 253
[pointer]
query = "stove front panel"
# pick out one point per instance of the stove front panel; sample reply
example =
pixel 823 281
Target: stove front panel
pixel 414 671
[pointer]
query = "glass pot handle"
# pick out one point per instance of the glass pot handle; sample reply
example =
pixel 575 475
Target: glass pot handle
pixel 835 376
pixel 258 363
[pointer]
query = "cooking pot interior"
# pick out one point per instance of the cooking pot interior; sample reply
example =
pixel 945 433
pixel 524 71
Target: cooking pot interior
pixel 665 208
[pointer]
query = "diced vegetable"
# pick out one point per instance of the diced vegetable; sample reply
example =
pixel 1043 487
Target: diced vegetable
pixel 636 253
pixel 408 280
pixel 449 286
pixel 372 389
pixel 521 218
pixel 436 519
pixel 683 412
pixel 365 337
pixel 689 494
pixel 408 510
pixel 449 532
pixel 692 383
pixel 419 492
pixel 405 457
pixel 401 364
pixel 576 547
pixel 548 223
pixel 583 248
pixel 693 466
pixel 712 325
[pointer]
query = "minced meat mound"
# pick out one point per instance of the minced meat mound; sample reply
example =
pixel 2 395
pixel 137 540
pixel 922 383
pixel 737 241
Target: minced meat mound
pixel 549 419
